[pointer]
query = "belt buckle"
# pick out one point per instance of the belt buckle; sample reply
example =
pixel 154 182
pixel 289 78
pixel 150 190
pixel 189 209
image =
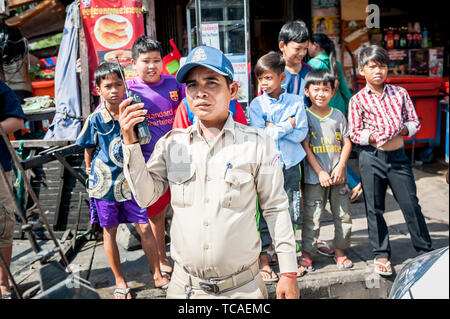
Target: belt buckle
pixel 209 287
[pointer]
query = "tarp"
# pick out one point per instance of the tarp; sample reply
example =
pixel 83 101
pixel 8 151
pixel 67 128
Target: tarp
pixel 67 121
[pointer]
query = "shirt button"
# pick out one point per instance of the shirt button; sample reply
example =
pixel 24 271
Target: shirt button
pixel 179 180
pixel 205 223
pixel 208 179
pixel 205 246
pixel 206 200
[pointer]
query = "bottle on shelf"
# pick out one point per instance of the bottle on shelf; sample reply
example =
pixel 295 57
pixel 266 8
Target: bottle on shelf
pixel 424 38
pixel 384 38
pixel 410 36
pixel 396 38
pixel 403 41
pixel 417 35
pixel 390 39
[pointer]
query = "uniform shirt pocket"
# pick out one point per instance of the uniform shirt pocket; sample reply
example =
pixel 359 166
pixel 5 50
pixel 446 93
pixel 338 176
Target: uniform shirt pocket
pixel 182 185
pixel 235 183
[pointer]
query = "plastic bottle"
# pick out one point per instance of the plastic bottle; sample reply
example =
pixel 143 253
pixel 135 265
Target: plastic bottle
pixel 390 39
pixel 403 41
pixel 410 37
pixel 417 35
pixel 384 42
pixel 425 38
pixel 396 38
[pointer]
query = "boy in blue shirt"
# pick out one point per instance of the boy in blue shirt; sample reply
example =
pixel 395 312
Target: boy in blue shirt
pixel 111 199
pixel 293 41
pixel 283 117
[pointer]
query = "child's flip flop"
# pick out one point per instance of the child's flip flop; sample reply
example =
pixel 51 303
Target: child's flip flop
pixel 308 262
pixel 323 244
pixel 340 261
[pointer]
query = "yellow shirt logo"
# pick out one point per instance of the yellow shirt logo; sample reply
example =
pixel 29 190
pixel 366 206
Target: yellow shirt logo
pixel 174 95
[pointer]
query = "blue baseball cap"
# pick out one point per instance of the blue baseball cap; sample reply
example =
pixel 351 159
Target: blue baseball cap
pixel 207 57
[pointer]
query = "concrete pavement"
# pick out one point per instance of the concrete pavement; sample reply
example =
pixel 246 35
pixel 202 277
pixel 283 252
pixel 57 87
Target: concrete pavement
pixel 326 282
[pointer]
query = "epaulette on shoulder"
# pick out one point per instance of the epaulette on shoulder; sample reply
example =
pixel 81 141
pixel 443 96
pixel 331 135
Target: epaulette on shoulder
pixel 178 131
pixel 250 129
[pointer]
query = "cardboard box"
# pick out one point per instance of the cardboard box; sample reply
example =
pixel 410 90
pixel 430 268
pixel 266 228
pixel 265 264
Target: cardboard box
pixel 354 9
pixel 398 62
pixel 418 61
pixel 355 36
pixel 436 62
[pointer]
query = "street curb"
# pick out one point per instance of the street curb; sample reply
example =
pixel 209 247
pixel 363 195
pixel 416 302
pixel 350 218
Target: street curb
pixel 350 284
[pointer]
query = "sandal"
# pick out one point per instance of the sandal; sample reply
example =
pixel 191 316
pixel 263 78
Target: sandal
pixel 299 275
pixel 324 245
pixel 273 257
pixel 122 291
pixel 386 265
pixel 355 193
pixel 271 279
pixel 340 262
pixel 166 274
pixel 308 262
pixel 166 285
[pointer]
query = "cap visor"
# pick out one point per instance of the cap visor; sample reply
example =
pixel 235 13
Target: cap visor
pixel 181 75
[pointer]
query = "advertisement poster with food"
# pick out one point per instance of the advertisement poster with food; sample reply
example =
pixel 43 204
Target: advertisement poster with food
pixel 110 28
pixel 241 73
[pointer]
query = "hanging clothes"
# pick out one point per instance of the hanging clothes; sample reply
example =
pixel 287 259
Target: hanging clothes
pixel 67 121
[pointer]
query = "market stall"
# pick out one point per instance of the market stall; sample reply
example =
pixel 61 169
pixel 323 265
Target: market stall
pixel 55 61
pixel 418 53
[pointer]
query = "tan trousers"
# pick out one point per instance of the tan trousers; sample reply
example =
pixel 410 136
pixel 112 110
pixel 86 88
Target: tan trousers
pixel 255 289
pixel 316 198
pixel 7 220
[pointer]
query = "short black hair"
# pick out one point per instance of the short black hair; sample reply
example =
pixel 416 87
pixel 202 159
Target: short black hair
pixel 319 76
pixel 105 69
pixel 145 44
pixel 271 61
pixel 372 53
pixel 296 31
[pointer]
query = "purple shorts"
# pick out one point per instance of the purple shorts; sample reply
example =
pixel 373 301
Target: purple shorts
pixel 111 214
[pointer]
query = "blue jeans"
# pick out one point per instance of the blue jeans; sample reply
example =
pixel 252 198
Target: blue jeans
pixel 352 178
pixel 292 178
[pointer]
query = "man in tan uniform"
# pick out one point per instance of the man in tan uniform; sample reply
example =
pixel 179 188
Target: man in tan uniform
pixel 215 169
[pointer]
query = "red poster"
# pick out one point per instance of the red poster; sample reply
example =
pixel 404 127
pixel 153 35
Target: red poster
pixel 110 28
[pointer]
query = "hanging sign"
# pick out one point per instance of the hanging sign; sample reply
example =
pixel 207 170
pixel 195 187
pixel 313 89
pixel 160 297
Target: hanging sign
pixel 110 28
pixel 210 35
